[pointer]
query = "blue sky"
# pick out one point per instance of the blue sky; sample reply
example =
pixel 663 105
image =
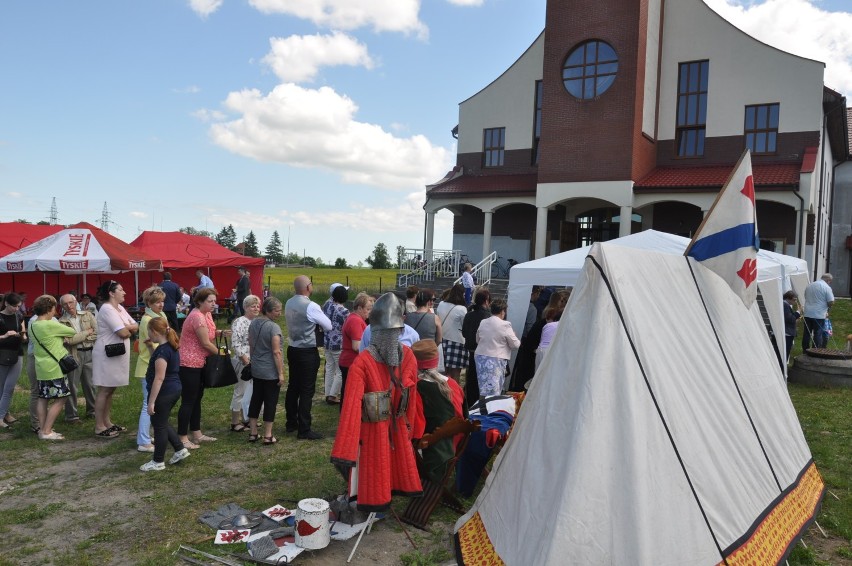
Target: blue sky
pixel 323 119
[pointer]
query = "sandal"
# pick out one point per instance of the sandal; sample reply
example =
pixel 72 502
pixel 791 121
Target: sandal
pixel 267 440
pixel 190 445
pixel 253 437
pixel 9 419
pixel 118 428
pixel 106 433
pixel 204 438
pixel 239 427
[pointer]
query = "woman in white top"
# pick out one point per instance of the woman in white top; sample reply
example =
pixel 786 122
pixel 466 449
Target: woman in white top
pixel 451 311
pixel 242 356
pixel 495 342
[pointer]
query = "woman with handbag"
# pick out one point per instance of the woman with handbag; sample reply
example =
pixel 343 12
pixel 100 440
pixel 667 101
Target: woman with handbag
pixel 267 368
pixel 163 384
pixel 12 334
pixel 111 355
pixel 452 311
pixel 47 332
pixel 154 299
pixel 197 342
pixel 242 357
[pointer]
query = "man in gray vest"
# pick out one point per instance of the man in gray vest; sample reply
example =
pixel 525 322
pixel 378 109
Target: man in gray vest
pixel 302 315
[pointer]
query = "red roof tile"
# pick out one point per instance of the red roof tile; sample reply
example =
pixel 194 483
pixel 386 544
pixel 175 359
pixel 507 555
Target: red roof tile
pixel 713 177
pixel 486 185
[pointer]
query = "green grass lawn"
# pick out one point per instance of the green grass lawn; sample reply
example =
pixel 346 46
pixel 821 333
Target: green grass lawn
pixel 86 498
pixel 371 281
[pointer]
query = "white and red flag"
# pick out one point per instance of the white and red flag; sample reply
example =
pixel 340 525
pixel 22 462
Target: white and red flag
pixel 727 240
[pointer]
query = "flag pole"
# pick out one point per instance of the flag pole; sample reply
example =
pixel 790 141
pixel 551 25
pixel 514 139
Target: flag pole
pixel 716 200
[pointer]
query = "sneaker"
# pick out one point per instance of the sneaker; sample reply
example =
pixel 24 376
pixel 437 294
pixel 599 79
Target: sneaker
pixel 145 448
pixel 310 435
pixel 179 455
pixel 153 466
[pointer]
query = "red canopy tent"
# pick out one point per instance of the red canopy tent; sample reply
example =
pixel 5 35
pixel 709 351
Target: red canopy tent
pixel 75 258
pixel 184 254
pixel 17 235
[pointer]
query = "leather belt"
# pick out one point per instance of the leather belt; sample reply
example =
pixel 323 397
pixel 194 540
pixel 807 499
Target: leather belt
pixel 85 349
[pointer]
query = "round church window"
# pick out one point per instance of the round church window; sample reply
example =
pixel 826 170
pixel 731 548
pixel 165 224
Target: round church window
pixel 590 69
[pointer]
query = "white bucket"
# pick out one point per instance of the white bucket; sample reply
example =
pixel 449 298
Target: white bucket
pixel 312 528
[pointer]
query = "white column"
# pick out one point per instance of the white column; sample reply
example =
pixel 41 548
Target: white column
pixel 540 232
pixel 430 236
pixel 486 233
pixel 626 221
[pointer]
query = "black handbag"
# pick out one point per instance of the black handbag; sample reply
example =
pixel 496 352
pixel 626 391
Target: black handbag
pixel 67 364
pixel 218 371
pixel 8 357
pixel 245 374
pixel 113 350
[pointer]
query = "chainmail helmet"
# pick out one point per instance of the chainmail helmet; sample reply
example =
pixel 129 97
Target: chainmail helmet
pixel 387 313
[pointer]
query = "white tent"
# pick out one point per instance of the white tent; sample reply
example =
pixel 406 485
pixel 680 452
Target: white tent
pixel 563 270
pixel 655 432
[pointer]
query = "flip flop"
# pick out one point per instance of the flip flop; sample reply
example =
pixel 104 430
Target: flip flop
pixel 239 427
pixel 106 433
pixel 267 440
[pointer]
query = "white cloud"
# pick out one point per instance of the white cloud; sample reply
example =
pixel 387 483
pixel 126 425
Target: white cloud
pixel 382 15
pixel 467 2
pixel 191 89
pixel 205 115
pixel 14 194
pixel 317 129
pixel 205 7
pixel 298 58
pixel 800 27
pixel 368 218
pixel 137 214
pixel 244 222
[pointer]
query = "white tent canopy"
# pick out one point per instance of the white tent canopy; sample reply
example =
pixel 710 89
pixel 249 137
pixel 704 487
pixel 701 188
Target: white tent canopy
pixel 655 432
pixel 563 270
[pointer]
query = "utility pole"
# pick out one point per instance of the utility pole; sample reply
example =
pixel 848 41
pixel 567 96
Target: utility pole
pixel 54 213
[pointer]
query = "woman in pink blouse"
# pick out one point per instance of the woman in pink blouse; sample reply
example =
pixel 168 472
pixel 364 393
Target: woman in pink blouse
pixel 197 341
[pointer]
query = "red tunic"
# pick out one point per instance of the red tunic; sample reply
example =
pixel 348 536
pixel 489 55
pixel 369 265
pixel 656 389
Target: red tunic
pixel 386 463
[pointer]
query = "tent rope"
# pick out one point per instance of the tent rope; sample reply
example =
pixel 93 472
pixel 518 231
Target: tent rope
pixel 733 377
pixel 657 407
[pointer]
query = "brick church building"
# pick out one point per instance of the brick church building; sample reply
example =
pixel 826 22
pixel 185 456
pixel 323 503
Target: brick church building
pixel 627 115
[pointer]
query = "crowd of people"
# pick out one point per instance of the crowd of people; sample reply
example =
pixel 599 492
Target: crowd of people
pixel 177 332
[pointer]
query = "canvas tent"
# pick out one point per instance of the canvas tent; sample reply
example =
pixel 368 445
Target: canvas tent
pixel 183 254
pixel 774 272
pixel 655 432
pixel 79 250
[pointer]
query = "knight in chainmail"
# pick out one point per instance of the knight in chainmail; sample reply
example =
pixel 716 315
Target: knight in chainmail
pixel 381 414
pixel 384 346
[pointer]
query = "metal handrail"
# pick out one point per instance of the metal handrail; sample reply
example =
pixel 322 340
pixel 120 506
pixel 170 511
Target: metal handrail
pixel 417 265
pixel 482 268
